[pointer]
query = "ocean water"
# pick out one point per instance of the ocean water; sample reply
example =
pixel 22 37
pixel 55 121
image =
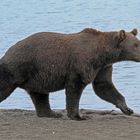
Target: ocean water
pixel 19 19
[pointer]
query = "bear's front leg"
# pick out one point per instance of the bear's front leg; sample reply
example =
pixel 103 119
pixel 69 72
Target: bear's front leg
pixel 73 94
pixel 105 89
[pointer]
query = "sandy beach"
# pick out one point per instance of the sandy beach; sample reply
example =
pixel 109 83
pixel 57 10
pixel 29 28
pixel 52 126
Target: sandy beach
pixel 101 125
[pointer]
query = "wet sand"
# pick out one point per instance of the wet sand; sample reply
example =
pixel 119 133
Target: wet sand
pixel 101 125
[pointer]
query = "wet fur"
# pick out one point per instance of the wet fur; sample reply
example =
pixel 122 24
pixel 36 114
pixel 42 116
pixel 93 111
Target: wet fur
pixel 47 62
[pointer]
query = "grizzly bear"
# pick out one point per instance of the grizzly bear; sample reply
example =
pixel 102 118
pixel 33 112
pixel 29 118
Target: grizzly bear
pixel 46 62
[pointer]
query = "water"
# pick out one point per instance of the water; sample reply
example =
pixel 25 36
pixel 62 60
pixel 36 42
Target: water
pixel 21 18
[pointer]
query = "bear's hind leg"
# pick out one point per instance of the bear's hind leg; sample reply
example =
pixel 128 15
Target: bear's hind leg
pixel 42 106
pixel 4 93
pixel 7 82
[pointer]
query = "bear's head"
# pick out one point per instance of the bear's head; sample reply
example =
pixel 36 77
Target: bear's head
pixel 129 45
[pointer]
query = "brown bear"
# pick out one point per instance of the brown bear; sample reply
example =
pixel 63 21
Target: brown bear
pixel 47 62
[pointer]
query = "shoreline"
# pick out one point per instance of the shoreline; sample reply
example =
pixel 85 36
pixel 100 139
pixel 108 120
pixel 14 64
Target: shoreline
pixel 17 124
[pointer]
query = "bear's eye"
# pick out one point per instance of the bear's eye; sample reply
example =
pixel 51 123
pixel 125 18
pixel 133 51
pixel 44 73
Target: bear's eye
pixel 136 45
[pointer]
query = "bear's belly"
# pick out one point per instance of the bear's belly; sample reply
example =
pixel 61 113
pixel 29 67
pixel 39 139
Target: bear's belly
pixel 55 85
pixel 45 85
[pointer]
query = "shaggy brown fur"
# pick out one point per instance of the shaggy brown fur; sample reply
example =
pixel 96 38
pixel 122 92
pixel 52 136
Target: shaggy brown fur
pixel 47 62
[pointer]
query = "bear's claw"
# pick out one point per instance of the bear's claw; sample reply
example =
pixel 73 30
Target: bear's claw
pixel 78 118
pixel 50 114
pixel 127 111
pixel 123 107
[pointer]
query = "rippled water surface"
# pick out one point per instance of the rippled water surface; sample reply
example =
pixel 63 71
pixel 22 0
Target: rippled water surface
pixel 21 18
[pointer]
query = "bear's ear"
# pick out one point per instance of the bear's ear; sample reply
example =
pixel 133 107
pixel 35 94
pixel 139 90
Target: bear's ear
pixel 134 32
pixel 121 35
